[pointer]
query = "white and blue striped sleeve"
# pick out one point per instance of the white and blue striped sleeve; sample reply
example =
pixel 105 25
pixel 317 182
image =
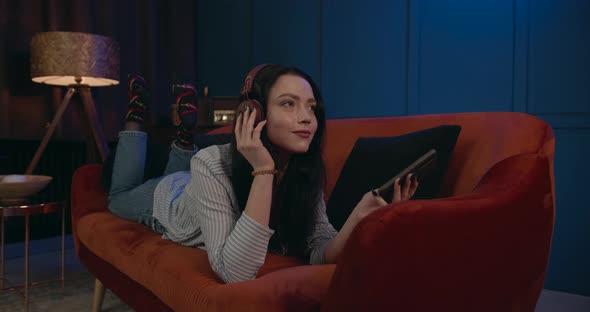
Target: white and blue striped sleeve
pixel 236 244
pixel 322 232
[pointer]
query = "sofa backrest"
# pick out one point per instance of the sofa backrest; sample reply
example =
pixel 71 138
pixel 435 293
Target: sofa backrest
pixel 486 138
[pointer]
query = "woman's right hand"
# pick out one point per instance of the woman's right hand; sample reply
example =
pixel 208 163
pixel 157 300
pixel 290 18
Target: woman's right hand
pixel 249 143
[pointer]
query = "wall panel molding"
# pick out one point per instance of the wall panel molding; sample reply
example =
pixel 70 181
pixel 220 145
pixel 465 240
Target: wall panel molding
pixel 521 56
pixel 413 56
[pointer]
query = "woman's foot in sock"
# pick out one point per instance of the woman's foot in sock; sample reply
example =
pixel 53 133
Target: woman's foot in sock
pixel 138 99
pixel 186 100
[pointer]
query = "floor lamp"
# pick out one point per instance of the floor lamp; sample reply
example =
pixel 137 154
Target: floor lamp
pixel 77 61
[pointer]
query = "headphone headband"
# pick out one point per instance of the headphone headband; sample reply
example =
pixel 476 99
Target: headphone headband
pixel 250 79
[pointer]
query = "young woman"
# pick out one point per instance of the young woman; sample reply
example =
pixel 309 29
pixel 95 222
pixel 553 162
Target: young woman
pixel 262 192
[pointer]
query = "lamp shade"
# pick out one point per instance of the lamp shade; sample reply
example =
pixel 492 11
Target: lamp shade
pixel 58 58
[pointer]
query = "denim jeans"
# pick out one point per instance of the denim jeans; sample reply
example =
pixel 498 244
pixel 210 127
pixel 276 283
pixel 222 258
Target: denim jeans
pixel 129 197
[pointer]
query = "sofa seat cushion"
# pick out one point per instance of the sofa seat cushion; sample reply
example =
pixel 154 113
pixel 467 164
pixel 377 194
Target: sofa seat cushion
pixel 182 277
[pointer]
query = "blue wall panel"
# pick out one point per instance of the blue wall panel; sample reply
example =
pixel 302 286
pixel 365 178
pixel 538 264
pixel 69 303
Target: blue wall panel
pixel 364 58
pixel 223 45
pixel 288 33
pixel 558 91
pixel 559 57
pixel 386 58
pixel 569 268
pixel 465 55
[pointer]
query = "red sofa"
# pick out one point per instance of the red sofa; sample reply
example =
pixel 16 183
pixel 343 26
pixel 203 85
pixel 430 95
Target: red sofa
pixel 483 247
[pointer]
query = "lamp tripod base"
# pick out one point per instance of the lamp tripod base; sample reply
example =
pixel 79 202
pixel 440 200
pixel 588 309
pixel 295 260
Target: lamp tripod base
pixel 92 116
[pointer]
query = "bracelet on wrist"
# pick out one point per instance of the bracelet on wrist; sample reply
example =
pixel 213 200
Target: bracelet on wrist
pixel 264 171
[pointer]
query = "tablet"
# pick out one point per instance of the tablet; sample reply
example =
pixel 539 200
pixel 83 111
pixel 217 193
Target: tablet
pixel 418 169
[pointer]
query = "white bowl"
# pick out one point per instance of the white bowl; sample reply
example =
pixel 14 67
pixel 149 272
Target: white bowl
pixel 15 188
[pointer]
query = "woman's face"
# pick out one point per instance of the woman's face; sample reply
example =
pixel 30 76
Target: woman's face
pixel 291 122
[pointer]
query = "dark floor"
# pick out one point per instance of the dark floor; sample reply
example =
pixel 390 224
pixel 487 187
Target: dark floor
pixel 45 263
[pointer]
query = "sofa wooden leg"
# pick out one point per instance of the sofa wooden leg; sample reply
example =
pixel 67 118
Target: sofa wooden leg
pixel 98 295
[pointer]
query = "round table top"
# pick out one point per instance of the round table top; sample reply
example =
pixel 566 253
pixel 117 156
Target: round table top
pixel 29 209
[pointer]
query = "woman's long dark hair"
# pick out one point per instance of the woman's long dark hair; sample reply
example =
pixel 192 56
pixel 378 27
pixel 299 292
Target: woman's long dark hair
pixel 296 197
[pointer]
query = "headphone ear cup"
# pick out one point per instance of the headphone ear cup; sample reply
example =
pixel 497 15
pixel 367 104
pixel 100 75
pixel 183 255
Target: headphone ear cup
pixel 251 104
pixel 259 111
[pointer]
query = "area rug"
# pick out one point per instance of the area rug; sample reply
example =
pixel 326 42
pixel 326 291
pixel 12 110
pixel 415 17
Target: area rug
pixel 77 295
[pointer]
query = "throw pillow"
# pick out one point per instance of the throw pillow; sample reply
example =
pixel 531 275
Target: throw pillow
pixel 373 161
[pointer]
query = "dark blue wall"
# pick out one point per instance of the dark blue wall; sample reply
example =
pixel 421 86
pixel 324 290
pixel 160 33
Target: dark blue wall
pixel 385 58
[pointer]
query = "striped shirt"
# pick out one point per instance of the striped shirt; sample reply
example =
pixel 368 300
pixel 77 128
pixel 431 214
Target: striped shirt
pixel 199 209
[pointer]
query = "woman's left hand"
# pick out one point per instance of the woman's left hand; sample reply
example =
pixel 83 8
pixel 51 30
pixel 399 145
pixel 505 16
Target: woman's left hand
pixel 368 204
pixel 371 202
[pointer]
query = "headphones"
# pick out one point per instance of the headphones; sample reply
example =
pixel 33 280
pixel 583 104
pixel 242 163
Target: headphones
pixel 251 103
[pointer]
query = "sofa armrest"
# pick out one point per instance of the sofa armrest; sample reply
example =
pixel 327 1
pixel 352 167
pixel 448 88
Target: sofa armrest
pixel 87 195
pixel 485 251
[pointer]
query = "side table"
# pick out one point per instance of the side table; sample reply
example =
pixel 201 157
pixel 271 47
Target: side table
pixel 26 210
